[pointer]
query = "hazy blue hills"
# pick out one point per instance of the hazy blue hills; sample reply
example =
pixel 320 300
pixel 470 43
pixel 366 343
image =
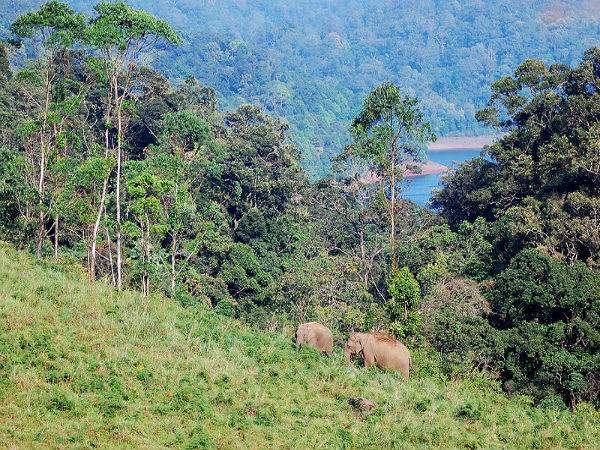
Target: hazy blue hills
pixel 312 62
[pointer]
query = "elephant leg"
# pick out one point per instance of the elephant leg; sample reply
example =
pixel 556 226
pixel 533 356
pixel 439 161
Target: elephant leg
pixel 369 359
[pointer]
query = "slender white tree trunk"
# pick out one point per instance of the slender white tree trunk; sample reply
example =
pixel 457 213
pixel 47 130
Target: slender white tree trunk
pixel 92 276
pixel 110 255
pixel 41 215
pixel 56 238
pixel 118 104
pixel 173 274
pixel 92 266
pixel 41 230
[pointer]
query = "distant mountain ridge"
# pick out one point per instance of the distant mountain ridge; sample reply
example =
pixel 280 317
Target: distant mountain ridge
pixel 312 62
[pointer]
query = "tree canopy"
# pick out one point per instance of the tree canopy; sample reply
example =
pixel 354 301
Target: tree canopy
pixel 313 63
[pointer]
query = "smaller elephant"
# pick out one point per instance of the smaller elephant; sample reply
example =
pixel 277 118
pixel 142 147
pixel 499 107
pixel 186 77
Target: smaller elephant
pixel 380 349
pixel 315 335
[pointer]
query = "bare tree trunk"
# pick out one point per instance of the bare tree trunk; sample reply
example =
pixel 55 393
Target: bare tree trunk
pixel 110 256
pixel 87 253
pixel 41 228
pixel 56 238
pixel 118 190
pixel 363 258
pixel 173 275
pixel 92 266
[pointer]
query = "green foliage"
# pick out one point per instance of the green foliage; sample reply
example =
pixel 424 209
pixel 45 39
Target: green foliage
pixel 219 212
pixel 329 290
pixel 538 192
pixel 5 71
pixel 550 311
pixel 404 296
pixel 404 292
pixel 225 308
pixel 117 26
pixel 328 56
pixel 387 134
pixel 55 25
pixel 541 179
pixel 440 253
pixel 184 130
pixel 552 402
pixel 314 64
pixel 456 324
pixel 13 191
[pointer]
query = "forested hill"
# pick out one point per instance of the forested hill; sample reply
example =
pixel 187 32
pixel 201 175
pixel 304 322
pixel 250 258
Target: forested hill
pixel 311 62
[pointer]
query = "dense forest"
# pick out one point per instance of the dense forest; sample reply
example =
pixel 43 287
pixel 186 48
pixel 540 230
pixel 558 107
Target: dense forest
pixel 106 164
pixel 312 62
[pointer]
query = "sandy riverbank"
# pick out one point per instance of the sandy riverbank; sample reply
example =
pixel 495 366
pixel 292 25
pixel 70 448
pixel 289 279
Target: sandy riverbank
pixel 462 142
pixel 428 168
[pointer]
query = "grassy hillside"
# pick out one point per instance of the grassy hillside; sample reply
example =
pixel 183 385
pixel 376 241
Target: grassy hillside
pixel 86 367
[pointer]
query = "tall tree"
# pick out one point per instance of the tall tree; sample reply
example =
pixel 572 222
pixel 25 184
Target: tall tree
pixel 51 31
pixel 182 139
pixel 389 134
pixel 124 36
pixel 145 192
pixel 350 222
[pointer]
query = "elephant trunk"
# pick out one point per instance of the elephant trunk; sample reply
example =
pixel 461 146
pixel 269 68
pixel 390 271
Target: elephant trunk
pixel 299 339
pixel 348 355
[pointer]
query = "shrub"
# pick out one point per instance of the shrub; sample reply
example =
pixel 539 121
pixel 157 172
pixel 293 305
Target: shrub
pixel 552 402
pixel 455 323
pixel 552 315
pixel 405 293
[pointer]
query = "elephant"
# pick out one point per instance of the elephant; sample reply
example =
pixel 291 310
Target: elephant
pixel 315 335
pixel 381 349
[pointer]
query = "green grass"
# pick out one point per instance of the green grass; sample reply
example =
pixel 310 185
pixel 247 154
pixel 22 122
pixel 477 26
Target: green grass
pixel 86 367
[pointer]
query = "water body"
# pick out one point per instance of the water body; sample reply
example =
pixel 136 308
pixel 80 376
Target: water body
pixel 419 190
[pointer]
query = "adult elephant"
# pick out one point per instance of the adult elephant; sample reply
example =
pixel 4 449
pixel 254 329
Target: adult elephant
pixel 380 349
pixel 315 335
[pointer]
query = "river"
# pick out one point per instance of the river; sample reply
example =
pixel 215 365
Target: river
pixel 419 189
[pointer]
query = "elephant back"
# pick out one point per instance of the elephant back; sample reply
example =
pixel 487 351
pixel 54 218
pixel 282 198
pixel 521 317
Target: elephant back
pixel 384 338
pixel 316 335
pixel 392 353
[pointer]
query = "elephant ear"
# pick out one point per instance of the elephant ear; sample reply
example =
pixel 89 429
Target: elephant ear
pixel 358 342
pixel 300 335
pixel 365 341
pixel 309 334
pixel 361 338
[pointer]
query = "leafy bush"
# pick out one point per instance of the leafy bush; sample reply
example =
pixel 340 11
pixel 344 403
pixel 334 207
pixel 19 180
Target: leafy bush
pixel 405 293
pixel 225 308
pixel 552 402
pixel 455 323
pixel 551 312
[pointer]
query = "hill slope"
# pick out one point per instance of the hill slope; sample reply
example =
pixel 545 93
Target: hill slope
pixel 86 367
